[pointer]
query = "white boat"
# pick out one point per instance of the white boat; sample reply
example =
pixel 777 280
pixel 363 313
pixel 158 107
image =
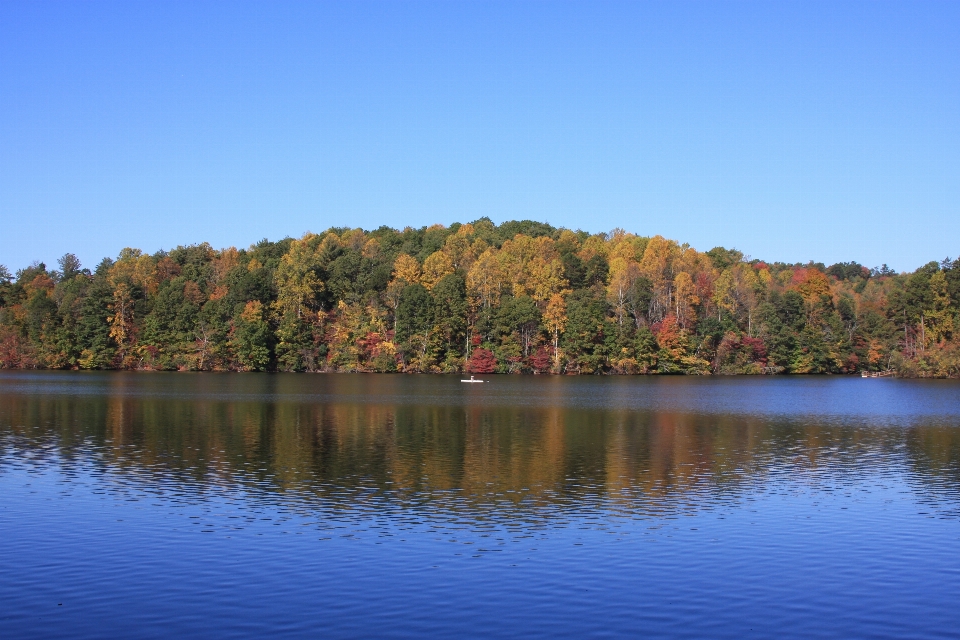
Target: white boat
pixel 472 379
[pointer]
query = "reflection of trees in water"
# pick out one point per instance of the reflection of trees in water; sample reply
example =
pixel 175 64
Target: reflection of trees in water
pixel 935 451
pixel 464 455
pixel 934 457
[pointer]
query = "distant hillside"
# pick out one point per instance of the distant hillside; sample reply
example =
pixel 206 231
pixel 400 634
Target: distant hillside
pixel 521 297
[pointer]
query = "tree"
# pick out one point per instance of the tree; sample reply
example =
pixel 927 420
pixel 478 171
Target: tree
pixel 93 324
pixel 69 266
pixel 414 325
pixel 450 312
pixel 250 338
pixel 555 319
pixel 724 258
pixel 406 269
pixel 459 248
pixel 519 315
pixel 940 316
pixel 624 274
pixel 541 361
pixel 484 280
pixel 685 299
pixel 297 278
pixel 657 266
pixel 481 361
pixel 297 307
pixel 583 338
pixel 437 266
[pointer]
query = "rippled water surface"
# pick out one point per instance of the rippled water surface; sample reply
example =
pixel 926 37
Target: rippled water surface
pixel 142 505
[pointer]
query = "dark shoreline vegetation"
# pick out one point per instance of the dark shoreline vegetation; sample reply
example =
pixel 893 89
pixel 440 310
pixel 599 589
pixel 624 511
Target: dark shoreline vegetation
pixel 521 297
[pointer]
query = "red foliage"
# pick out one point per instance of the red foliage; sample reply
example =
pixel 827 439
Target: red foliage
pixel 370 345
pixel 668 327
pixel 540 361
pixel 742 350
pixel 804 275
pixel 703 284
pixel 810 282
pixel 42 282
pixel 10 356
pixel 758 350
pixel 669 337
pixel 167 269
pixel 851 364
pixel 481 361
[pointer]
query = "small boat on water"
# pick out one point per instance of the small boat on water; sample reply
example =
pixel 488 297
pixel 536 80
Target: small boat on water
pixel 472 379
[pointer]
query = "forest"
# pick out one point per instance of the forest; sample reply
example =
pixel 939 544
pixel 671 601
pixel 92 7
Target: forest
pixel 521 297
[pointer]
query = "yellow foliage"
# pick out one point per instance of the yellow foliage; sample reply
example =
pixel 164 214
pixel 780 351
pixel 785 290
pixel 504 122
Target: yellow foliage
pixel 658 258
pixel 555 318
pixel 624 272
pixel 484 280
pixel 354 238
pixel 297 282
pixel 371 249
pixel 223 263
pixel 626 246
pixel 941 317
pixel 406 268
pixel 435 267
pixel 764 277
pixel 329 244
pixel 555 315
pixel 592 246
pixel 532 266
pixel 692 261
pixel 458 249
pixel 252 311
pixel 568 242
pixel 135 268
pixel 813 285
pixel 735 289
pixel 685 295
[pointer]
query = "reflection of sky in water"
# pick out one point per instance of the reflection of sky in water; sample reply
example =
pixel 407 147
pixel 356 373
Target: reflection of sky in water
pixel 416 504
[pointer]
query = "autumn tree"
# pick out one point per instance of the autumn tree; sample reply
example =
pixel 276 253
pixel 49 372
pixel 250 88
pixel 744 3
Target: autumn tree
pixel 299 284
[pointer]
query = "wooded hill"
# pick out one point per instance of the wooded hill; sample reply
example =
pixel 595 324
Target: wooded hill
pixel 521 297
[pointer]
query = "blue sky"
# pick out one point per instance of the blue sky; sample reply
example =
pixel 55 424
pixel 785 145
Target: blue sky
pixel 793 131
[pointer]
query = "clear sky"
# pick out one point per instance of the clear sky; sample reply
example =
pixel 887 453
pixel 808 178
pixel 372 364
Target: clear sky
pixel 792 131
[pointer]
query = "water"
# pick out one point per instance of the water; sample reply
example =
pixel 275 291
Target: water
pixel 199 505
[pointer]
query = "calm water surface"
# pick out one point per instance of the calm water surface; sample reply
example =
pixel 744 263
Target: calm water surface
pixel 199 505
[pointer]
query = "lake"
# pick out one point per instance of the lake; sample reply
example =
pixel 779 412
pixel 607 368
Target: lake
pixel 365 505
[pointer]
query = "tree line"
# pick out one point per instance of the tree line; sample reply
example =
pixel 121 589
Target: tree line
pixel 520 297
